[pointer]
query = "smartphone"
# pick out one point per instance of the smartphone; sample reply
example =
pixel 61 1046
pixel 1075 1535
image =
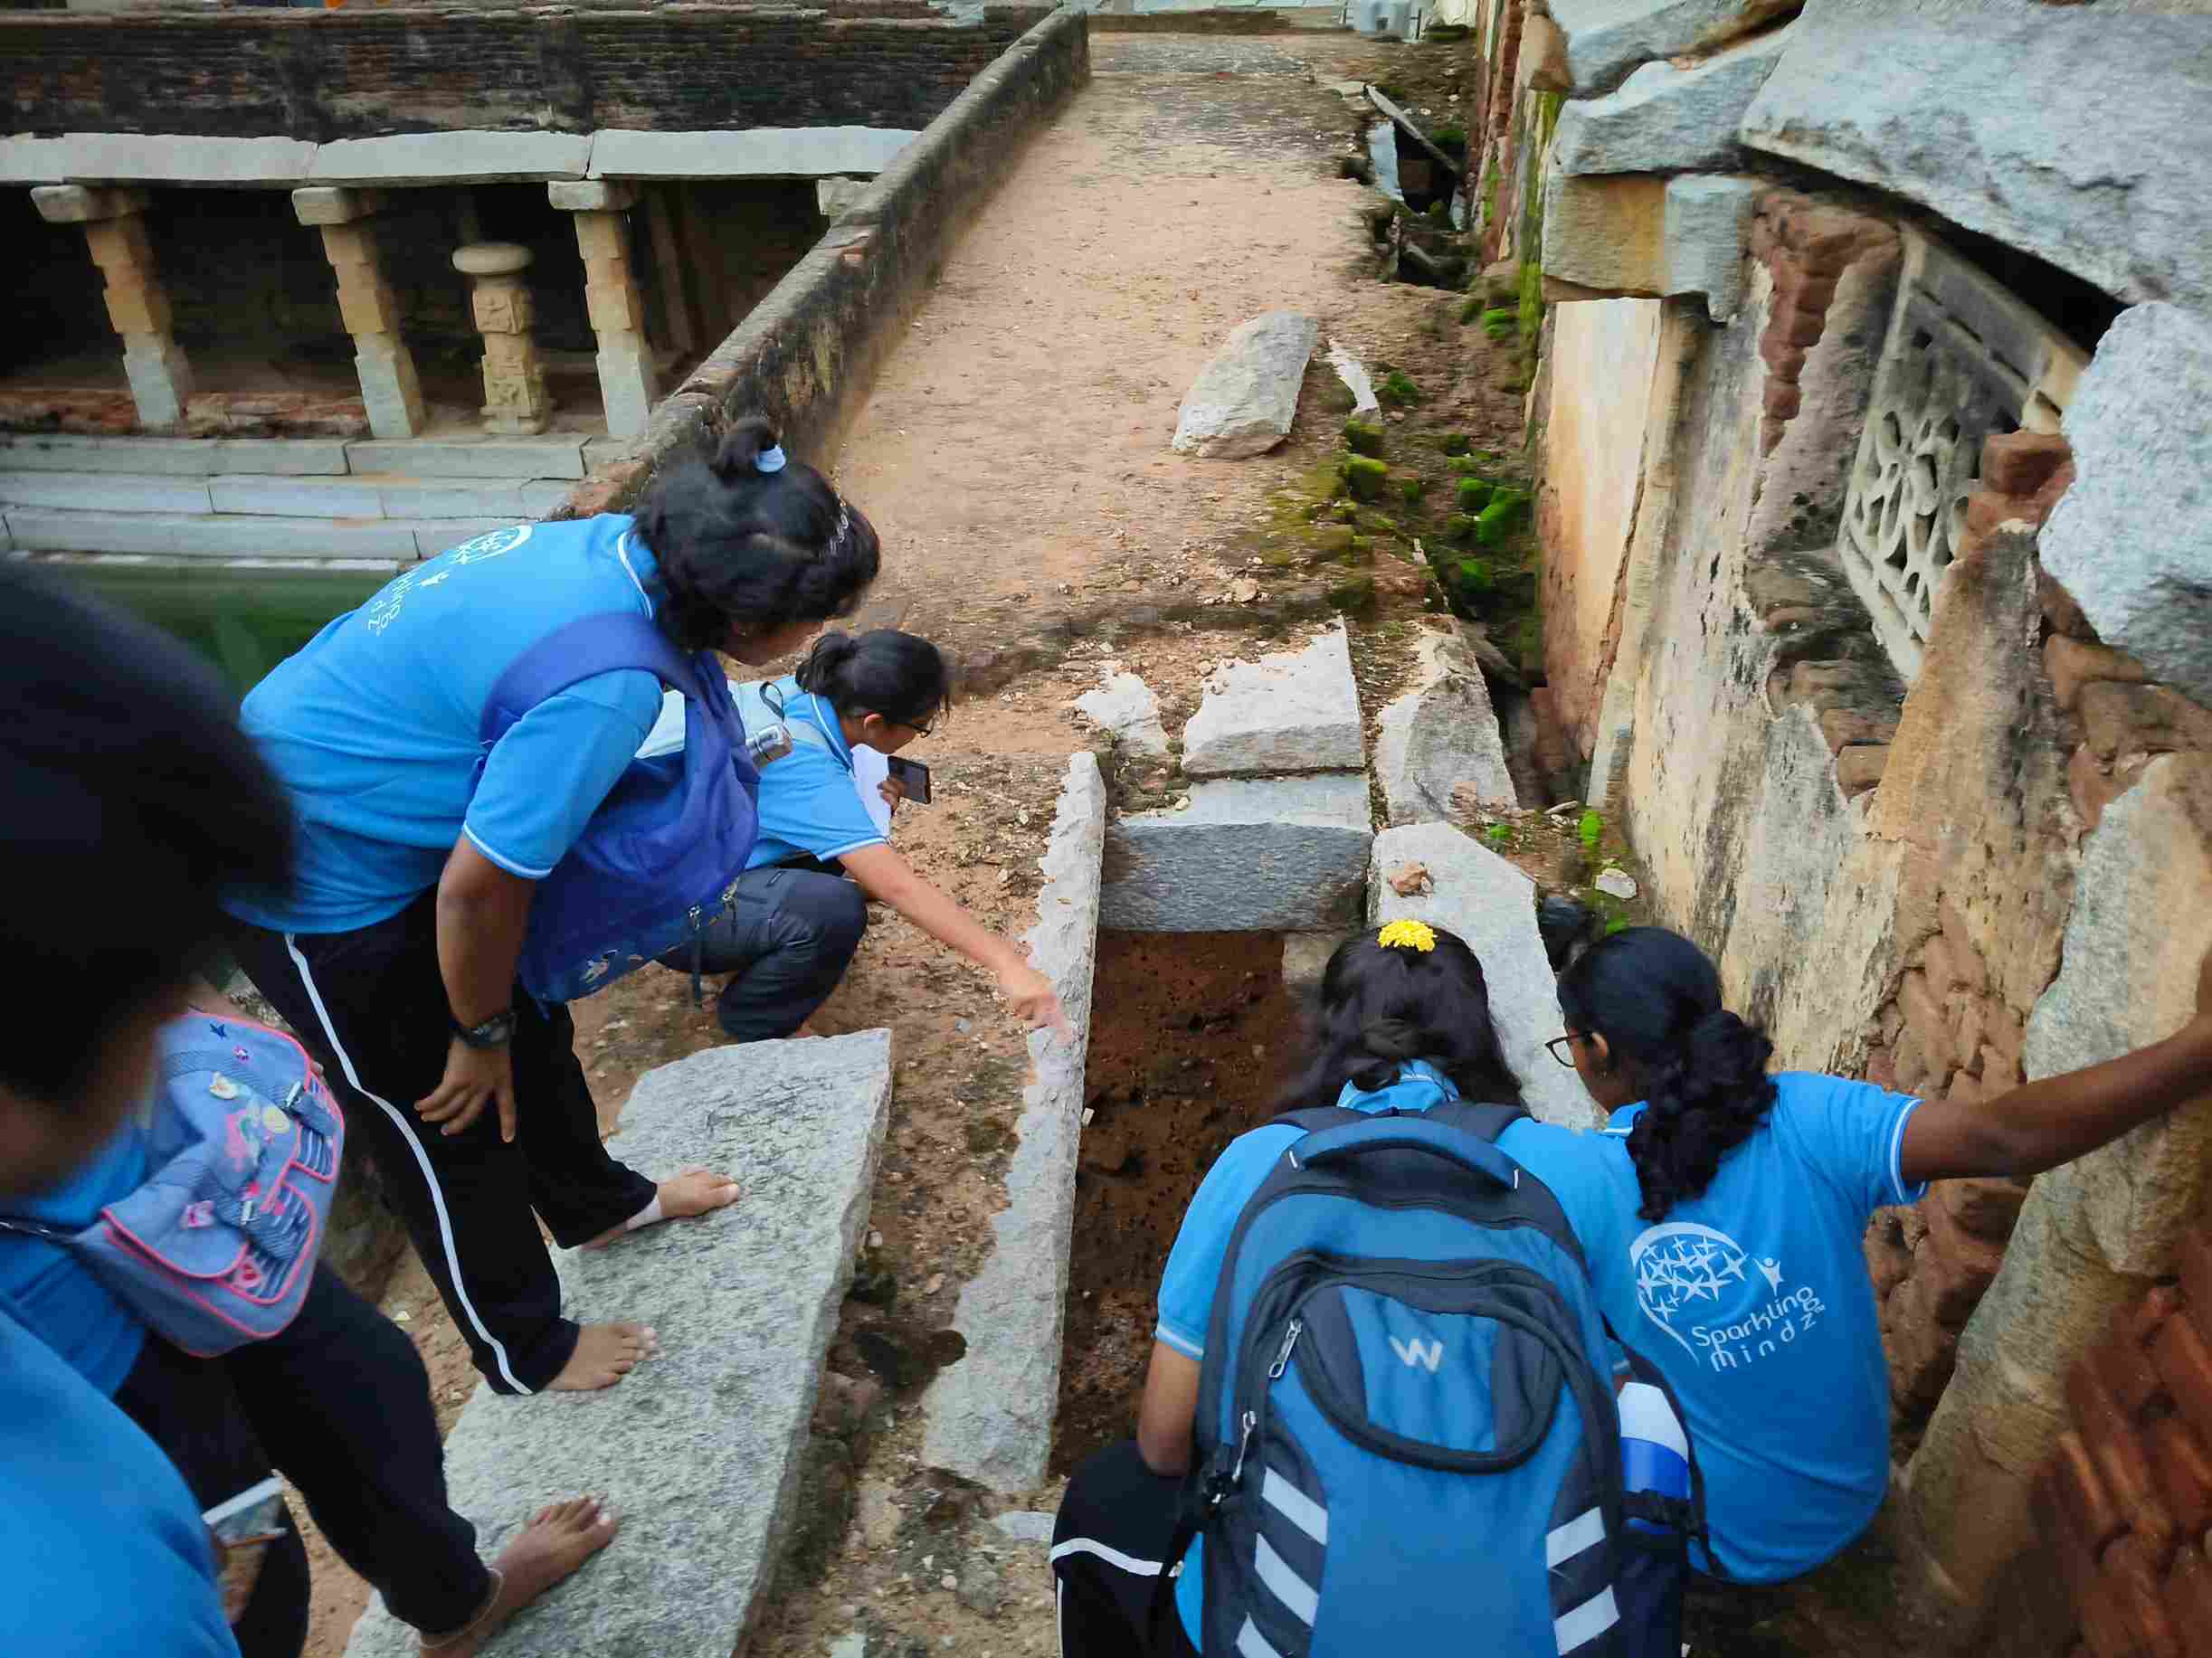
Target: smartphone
pixel 913 776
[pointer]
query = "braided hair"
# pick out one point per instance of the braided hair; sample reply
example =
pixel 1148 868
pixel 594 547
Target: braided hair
pixel 747 539
pixel 1656 999
pixel 1382 1005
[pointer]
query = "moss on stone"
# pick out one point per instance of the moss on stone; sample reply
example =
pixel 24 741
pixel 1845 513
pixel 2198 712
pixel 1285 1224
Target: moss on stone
pixel 1474 495
pixel 1364 436
pixel 1460 526
pixel 1399 388
pixel 1355 595
pixel 1454 443
pixel 1413 488
pixel 1363 479
pixel 1497 520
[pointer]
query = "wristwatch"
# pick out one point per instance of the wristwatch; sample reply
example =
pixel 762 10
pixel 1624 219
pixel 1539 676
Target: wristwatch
pixel 497 1031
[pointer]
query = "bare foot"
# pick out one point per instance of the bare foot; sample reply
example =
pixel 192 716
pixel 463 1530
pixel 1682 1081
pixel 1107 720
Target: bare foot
pixel 558 1540
pixel 605 1354
pixel 695 1192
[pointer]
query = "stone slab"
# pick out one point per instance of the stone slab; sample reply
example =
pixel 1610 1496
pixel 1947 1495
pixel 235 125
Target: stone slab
pixel 103 491
pixel 1306 957
pixel 1123 704
pixel 1247 855
pixel 488 457
pixel 1636 233
pixel 458 498
pixel 331 204
pixel 758 152
pixel 603 451
pixel 1665 120
pixel 433 536
pixel 2117 199
pixel 50 530
pixel 1442 732
pixel 1607 39
pixel 1290 710
pixel 591 195
pixel 81 204
pixel 989 1418
pixel 699 1449
pixel 437 158
pixel 1492 906
pixel 166 158
pixel 172 457
pixel 1246 397
pixel 295 498
pixel 2131 539
pixel 1025 1526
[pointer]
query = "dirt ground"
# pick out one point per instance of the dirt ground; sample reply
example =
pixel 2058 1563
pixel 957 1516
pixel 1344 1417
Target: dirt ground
pixel 1014 455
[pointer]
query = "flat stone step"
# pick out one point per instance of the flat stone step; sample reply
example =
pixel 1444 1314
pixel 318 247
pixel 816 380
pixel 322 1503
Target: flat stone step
pixel 1247 855
pixel 554 455
pixel 44 529
pixel 989 1418
pixel 701 1448
pixel 260 495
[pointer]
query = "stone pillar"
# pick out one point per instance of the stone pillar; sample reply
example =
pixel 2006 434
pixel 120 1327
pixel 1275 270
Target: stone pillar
pixel 516 400
pixel 389 389
pixel 115 232
pixel 628 382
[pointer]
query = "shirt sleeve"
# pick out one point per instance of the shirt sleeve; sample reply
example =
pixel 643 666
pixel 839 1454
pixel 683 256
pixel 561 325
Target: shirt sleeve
pixel 1578 1168
pixel 1852 1133
pixel 549 773
pixel 1195 1264
pixel 808 801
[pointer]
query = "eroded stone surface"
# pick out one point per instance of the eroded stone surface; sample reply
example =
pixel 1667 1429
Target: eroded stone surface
pixel 1492 906
pixel 1290 710
pixel 2131 540
pixel 1608 39
pixel 1246 397
pixel 1439 734
pixel 699 1449
pixel 1251 854
pixel 1637 233
pixel 1125 706
pixel 1665 119
pixel 990 1417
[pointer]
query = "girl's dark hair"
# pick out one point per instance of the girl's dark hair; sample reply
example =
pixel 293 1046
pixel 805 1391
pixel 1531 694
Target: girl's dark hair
pixel 737 544
pixel 1378 1008
pixel 1656 999
pixel 900 676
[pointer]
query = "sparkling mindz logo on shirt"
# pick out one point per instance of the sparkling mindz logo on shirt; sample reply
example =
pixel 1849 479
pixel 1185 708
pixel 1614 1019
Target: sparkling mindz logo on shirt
pixel 1700 1286
pixel 384 609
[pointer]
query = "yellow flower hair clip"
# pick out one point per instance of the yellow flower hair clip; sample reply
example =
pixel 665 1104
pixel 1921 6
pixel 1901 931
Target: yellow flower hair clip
pixel 1407 936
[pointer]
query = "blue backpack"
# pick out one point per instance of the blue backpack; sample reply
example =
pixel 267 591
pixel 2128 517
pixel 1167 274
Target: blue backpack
pixel 1407 1432
pixel 659 859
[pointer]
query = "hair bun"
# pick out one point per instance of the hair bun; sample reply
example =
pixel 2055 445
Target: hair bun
pixel 742 447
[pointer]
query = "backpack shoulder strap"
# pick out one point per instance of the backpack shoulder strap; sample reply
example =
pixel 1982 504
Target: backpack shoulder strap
pixel 758 712
pixel 589 645
pixel 1313 1119
pixel 1483 1120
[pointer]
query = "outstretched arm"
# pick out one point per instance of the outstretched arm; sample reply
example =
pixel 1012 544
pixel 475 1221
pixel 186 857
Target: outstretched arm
pixel 2058 1119
pixel 885 875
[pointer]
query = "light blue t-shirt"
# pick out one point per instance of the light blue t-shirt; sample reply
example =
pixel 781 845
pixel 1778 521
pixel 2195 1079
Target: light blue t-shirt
pixel 102 1547
pixel 1752 1300
pixel 371 727
pixel 808 804
pixel 52 1293
pixel 1195 1264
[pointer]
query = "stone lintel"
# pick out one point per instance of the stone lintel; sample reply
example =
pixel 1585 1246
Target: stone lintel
pixel 592 196
pixel 1637 234
pixel 334 204
pixel 85 203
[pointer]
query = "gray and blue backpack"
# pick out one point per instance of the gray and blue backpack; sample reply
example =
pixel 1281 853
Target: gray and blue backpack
pixel 1407 1437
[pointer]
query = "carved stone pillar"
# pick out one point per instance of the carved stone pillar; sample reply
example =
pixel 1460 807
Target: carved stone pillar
pixel 628 382
pixel 516 400
pixel 389 389
pixel 115 232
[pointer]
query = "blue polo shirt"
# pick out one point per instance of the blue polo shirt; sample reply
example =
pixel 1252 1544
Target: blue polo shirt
pixel 371 727
pixel 808 804
pixel 1753 1301
pixel 52 1293
pixel 102 1549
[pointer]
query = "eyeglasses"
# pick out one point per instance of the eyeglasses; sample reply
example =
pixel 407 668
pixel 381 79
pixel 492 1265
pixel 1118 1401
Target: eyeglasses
pixel 920 728
pixel 1561 1048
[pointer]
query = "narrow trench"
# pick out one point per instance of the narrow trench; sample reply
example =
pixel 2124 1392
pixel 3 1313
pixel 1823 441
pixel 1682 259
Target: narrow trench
pixel 1193 1038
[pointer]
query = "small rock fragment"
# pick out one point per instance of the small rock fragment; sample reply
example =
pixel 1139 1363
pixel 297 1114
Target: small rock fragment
pixel 1619 883
pixel 1411 880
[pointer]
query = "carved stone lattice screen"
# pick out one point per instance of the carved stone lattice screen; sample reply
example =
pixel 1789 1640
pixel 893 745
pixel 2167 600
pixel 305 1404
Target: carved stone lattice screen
pixel 1963 360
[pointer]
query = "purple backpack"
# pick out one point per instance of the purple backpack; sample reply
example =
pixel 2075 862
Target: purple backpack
pixel 215 1247
pixel 661 858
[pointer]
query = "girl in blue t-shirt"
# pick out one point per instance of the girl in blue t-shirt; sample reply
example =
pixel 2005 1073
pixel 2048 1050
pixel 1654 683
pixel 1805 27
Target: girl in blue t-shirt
pixel 795 922
pixel 1722 1212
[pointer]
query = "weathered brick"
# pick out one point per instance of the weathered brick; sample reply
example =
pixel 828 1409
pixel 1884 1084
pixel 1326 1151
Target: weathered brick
pixel 1860 767
pixel 2123 1461
pixel 2131 1568
pixel 1972 1018
pixel 1920 1349
pixel 2119 719
pixel 2193 1266
pixel 2080 1487
pixel 2060 1528
pixel 1780 399
pixel 2022 462
pixel 2060 609
pixel 2184 1364
pixel 1882 1068
pixel 2072 663
pixel 1956 1266
pixel 1924 1016
pixel 1843 727
pixel 2093 786
pixel 2189 1601
pixel 1796 324
pixel 1800 288
pixel 2184 1469
pixel 1952 963
pixel 1889 1258
pixel 1984 1208
pixel 2138 1322
pixel 2125 1368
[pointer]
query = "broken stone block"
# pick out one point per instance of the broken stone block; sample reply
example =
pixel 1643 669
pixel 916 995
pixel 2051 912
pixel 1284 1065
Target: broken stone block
pixel 1306 957
pixel 1290 710
pixel 746 1302
pixel 1246 397
pixel 1608 39
pixel 1492 906
pixel 1125 706
pixel 1633 234
pixel 1024 1526
pixel 1442 732
pixel 1247 855
pixel 2131 540
pixel 1665 119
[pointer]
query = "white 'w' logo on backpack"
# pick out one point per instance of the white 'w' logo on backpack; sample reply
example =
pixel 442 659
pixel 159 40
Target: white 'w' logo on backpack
pixel 1418 1351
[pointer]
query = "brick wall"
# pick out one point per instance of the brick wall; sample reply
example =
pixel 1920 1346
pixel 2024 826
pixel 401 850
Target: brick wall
pixel 348 75
pixel 2124 1504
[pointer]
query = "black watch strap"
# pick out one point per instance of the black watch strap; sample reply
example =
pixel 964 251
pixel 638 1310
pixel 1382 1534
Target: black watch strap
pixel 497 1031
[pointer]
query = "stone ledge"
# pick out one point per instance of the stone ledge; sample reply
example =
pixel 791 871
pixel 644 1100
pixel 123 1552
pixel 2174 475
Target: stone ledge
pixel 1636 234
pixel 1256 855
pixel 1290 710
pixel 1605 39
pixel 989 1418
pixel 701 1449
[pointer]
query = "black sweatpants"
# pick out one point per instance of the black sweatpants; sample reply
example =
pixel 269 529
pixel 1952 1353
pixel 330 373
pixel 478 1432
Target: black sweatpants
pixel 788 936
pixel 1115 1525
pixel 371 1004
pixel 338 1403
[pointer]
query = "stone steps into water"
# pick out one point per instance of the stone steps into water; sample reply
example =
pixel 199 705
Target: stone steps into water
pixel 48 529
pixel 554 455
pixel 699 1449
